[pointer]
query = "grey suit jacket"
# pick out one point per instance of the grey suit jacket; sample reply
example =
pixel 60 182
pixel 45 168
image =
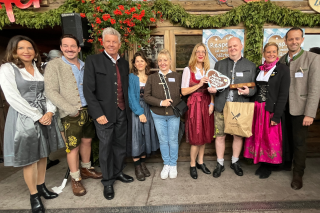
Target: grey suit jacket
pixel 304 92
pixel 225 67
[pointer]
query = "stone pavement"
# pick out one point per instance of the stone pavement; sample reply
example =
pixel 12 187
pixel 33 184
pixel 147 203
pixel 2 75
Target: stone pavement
pixel 206 194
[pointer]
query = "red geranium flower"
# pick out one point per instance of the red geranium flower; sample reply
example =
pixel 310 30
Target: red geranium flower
pixel 97 8
pixel 121 7
pixel 94 15
pixel 90 40
pixel 117 12
pixel 139 46
pixel 113 21
pixel 133 9
pixel 98 20
pixel 92 1
pixel 105 17
pixel 83 1
pixel 138 6
pixel 83 15
pixel 127 12
pixel 152 19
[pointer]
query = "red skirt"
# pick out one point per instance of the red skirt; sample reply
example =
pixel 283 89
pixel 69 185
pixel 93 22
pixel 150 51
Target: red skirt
pixel 199 125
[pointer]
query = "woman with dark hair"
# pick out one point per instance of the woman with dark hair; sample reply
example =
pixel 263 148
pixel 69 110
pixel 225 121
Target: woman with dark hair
pixel 31 132
pixel 144 135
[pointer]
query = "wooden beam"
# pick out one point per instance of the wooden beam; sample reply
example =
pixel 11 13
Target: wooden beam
pixel 213 5
pixel 172 49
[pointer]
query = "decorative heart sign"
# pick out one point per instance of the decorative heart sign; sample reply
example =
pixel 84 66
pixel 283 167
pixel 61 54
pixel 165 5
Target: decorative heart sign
pixel 280 42
pixel 218 47
pixel 217 80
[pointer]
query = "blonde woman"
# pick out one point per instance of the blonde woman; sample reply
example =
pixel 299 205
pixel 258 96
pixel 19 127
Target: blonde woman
pixel 199 117
pixel 166 123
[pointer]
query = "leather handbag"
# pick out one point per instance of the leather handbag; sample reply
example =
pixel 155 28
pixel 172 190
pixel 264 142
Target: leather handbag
pixel 181 107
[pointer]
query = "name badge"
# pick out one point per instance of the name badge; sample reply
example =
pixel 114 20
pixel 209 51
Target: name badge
pixel 239 74
pixel 172 79
pixel 299 75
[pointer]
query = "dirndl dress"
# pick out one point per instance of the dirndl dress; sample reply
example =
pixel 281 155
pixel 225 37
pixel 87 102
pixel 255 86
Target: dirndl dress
pixel 265 144
pixel 144 135
pixel 26 141
pixel 199 124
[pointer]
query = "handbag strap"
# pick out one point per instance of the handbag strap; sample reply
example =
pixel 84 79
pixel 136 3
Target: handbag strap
pixel 165 86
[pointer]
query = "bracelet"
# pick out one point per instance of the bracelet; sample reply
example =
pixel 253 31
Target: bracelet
pixel 211 104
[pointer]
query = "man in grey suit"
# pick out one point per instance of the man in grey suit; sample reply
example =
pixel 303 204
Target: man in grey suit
pixel 304 94
pixel 239 70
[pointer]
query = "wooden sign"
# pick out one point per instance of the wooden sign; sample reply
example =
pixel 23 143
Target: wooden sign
pixel 7 4
pixel 315 5
pixel 217 80
pixel 235 86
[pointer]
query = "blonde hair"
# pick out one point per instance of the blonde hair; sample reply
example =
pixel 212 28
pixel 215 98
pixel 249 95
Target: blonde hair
pixel 271 44
pixel 164 52
pixel 193 59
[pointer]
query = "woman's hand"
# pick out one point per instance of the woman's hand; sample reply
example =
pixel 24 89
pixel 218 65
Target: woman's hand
pixel 46 119
pixel 166 102
pixel 203 80
pixel 143 118
pixel 212 90
pixel 211 107
pixel 273 123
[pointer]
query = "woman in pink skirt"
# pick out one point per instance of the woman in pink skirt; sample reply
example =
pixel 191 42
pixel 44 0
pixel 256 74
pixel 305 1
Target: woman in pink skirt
pixel 273 81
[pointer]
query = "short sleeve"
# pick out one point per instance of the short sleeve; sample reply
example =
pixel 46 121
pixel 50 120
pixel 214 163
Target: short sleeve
pixel 185 78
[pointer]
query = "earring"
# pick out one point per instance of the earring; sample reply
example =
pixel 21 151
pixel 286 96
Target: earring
pixel 35 59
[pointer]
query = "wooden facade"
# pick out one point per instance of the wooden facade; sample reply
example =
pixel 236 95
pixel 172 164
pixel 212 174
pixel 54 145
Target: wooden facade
pixel 170 33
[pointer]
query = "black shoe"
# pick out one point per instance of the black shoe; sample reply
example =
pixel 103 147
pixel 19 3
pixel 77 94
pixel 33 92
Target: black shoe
pixel 125 178
pixel 203 168
pixel 36 204
pixel 265 172
pixel 52 163
pixel 236 168
pixel 193 172
pixel 258 171
pixel 108 192
pixel 217 172
pixel 44 192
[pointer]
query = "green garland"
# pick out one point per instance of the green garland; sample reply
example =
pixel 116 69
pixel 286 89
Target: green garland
pixel 254 15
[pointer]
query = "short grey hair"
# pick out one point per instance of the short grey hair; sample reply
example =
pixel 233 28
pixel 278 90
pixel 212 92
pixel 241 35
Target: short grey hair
pixel 111 31
pixel 53 54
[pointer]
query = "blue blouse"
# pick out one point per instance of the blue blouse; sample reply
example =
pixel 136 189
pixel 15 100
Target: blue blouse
pixel 134 95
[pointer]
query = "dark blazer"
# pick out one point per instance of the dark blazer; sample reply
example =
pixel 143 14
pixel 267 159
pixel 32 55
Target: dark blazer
pixel 100 86
pixel 278 91
pixel 154 92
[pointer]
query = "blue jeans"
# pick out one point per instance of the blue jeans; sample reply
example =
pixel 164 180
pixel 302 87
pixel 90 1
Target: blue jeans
pixel 168 129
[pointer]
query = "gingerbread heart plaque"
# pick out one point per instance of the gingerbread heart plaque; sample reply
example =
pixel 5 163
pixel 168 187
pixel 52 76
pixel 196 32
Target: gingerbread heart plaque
pixel 218 47
pixel 217 80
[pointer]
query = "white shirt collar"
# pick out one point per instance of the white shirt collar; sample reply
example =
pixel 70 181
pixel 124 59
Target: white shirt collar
pixel 262 77
pixel 293 55
pixel 112 59
pixel 167 73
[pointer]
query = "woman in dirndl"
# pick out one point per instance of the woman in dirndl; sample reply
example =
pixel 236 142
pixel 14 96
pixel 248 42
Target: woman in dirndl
pixel 30 132
pixel 144 135
pixel 273 81
pixel 199 126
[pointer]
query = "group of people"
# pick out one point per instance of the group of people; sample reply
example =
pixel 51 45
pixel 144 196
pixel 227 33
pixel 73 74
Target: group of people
pixel 70 102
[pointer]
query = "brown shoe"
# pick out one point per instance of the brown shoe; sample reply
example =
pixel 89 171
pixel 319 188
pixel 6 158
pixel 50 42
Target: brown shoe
pixel 139 173
pixel 90 173
pixel 145 170
pixel 296 181
pixel 77 187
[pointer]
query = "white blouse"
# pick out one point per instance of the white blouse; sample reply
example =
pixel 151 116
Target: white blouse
pixel 262 77
pixel 12 94
pixel 186 77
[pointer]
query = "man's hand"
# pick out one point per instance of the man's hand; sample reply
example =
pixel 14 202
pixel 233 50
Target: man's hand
pixel 46 119
pixel 166 102
pixel 243 91
pixel 307 121
pixel 102 120
pixel 143 118
pixel 212 90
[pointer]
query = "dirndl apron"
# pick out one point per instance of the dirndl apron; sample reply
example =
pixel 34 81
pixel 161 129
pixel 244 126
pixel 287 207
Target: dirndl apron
pixel 26 141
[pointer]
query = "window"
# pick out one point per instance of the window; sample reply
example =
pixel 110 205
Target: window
pixel 156 45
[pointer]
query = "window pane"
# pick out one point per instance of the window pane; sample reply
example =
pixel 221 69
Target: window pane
pixel 184 47
pixel 156 45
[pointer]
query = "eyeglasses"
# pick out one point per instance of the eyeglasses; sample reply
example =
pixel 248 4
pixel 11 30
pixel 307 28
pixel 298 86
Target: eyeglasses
pixel 201 52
